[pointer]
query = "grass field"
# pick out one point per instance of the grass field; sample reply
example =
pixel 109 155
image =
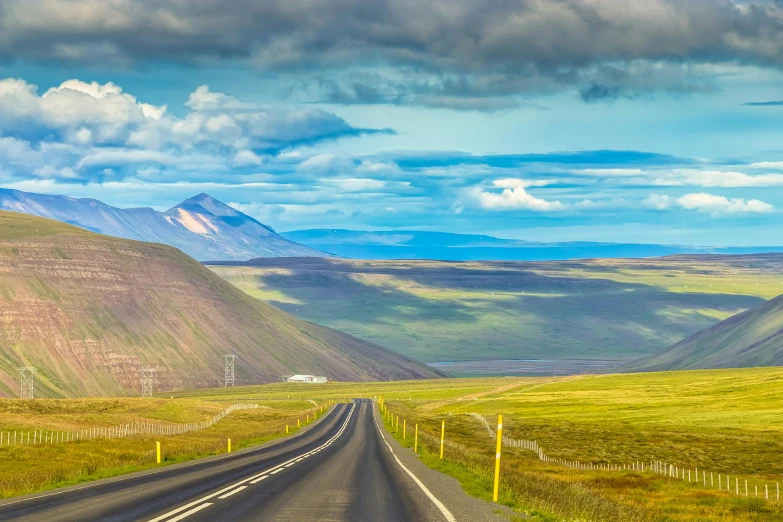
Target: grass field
pixel 721 421
pixel 438 311
pixel 24 469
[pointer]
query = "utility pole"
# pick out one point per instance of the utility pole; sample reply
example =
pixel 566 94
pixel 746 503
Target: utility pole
pixel 147 381
pixel 228 370
pixel 27 382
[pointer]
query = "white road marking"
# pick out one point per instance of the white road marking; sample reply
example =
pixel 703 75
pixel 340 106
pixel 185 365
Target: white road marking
pixel 188 513
pixel 446 513
pixel 240 488
pixel 256 481
pixel 270 471
pixel 147 473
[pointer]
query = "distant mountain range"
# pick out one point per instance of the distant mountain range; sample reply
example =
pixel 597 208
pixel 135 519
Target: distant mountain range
pixel 463 247
pixel 88 311
pixel 202 226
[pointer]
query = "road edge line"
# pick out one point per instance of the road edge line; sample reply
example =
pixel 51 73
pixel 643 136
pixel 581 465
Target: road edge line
pixel 443 509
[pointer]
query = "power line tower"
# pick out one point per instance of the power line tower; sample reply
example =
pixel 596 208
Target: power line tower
pixel 147 381
pixel 228 369
pixel 27 382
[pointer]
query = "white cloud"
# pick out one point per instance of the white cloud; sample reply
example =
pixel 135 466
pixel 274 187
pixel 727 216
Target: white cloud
pixel 721 205
pixel 513 197
pixel 708 203
pixel 658 202
pixel 246 158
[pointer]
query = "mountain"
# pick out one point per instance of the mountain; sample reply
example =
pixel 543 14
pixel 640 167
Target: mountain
pixel 751 338
pixel 404 244
pixel 202 226
pixel 89 310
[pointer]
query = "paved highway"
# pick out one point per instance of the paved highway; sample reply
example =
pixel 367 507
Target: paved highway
pixel 344 468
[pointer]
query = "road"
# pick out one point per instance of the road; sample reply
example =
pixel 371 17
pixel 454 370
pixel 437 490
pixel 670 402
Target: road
pixel 342 469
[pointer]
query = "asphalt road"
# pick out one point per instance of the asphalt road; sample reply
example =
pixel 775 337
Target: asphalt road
pixel 342 469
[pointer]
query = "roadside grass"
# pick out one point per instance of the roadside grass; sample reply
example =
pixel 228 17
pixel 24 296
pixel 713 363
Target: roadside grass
pixel 26 469
pixel 436 311
pixel 721 421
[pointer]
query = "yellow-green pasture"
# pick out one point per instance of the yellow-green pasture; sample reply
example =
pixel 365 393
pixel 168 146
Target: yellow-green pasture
pixel 719 421
pixel 28 468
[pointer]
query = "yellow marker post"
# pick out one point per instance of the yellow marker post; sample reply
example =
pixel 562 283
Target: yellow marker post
pixel 416 440
pixel 397 426
pixel 286 429
pixel 442 437
pixel 298 424
pixel 404 434
pixel 157 451
pixel 498 447
pixel 229 445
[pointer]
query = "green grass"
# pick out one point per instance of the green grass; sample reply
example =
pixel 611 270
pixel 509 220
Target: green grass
pixel 26 469
pixel 723 421
pixel 435 311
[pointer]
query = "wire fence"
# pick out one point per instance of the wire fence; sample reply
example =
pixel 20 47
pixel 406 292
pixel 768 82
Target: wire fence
pixel 722 481
pixel 29 438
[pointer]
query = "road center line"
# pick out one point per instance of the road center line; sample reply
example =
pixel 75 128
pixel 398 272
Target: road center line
pixel 240 488
pixel 446 513
pixel 270 471
pixel 192 511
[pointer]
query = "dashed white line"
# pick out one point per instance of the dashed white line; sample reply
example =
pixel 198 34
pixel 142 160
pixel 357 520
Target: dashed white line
pixel 188 513
pixel 230 493
pixel 260 477
pixel 443 509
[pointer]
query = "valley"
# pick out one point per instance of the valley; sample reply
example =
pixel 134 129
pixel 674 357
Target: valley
pixel 478 312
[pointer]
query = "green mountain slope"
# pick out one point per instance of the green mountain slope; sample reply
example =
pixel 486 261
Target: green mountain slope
pixel 751 338
pixel 88 311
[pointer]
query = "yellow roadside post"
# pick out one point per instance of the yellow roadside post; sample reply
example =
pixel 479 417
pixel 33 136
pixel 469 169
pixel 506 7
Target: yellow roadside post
pixel 229 445
pixel 298 424
pixel 286 429
pixel 416 440
pixel 498 447
pixel 157 451
pixel 442 437
pixel 404 434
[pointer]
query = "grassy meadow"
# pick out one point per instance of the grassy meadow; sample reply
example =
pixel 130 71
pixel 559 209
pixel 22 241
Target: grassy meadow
pixel 25 469
pixel 433 311
pixel 721 421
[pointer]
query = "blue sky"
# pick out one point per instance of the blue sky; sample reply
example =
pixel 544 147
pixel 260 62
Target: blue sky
pixel 610 120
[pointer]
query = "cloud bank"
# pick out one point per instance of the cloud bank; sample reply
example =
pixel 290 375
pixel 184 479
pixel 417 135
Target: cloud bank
pixel 470 54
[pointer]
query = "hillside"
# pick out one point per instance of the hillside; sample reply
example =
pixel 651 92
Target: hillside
pixel 417 244
pixel 89 311
pixel 202 227
pixel 751 338
pixel 490 318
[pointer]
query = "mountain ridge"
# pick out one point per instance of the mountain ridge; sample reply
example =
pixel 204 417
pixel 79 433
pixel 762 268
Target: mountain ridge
pixel 748 339
pixel 89 311
pixel 448 246
pixel 202 226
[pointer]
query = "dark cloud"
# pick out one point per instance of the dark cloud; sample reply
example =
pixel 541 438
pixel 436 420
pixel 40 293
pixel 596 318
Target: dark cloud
pixel 599 92
pixel 775 103
pixel 497 48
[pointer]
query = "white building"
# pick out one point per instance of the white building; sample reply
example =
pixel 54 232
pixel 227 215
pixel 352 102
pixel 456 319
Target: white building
pixel 306 379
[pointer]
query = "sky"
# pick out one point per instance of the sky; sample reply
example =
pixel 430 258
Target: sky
pixel 648 121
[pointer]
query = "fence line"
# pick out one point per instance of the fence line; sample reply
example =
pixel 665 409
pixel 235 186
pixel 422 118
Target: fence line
pixel 695 476
pixel 19 438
